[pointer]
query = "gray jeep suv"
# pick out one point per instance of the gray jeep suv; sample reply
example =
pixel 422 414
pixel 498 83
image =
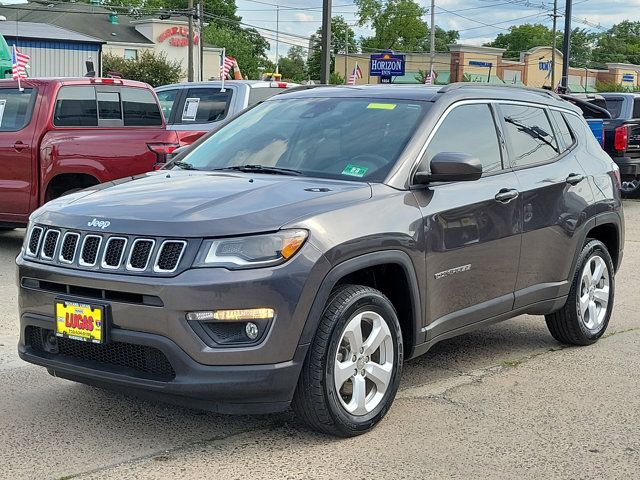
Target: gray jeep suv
pixel 301 252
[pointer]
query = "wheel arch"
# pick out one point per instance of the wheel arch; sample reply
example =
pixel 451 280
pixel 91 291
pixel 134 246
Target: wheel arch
pixel 401 286
pixel 63 182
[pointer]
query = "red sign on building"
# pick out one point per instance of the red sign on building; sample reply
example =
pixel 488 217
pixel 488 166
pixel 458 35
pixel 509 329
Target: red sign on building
pixel 178 36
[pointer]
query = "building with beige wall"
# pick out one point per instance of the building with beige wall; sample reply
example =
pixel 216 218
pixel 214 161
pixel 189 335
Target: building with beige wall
pixel 486 65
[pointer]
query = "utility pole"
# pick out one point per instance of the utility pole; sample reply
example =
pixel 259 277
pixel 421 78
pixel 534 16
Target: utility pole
pixel 325 63
pixel 566 50
pixel 346 52
pixel 190 59
pixel 201 43
pixel 432 53
pixel 277 34
pixel 555 43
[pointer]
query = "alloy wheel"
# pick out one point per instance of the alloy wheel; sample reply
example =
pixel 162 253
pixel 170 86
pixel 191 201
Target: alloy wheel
pixel 593 299
pixel 363 366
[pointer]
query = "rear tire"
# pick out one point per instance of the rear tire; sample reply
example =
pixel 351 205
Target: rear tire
pixel 630 187
pixel 349 380
pixel 585 316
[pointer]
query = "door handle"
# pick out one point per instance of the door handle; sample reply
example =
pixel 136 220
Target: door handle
pixel 19 146
pixel 575 178
pixel 506 195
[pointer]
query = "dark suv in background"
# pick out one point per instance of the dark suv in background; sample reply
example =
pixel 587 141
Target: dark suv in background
pixel 308 247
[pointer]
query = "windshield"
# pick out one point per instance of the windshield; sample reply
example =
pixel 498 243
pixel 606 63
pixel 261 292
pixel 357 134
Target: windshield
pixel 346 138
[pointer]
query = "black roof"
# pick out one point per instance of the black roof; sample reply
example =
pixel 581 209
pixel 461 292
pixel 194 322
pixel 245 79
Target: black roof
pixel 460 91
pixel 92 20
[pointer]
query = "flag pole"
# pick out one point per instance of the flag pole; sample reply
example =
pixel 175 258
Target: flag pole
pixel 14 61
pixel 224 56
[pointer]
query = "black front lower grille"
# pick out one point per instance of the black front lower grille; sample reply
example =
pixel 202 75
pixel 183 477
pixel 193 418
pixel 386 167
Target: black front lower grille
pixel 139 360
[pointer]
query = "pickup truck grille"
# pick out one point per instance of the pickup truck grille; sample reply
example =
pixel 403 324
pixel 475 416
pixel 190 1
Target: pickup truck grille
pixel 114 253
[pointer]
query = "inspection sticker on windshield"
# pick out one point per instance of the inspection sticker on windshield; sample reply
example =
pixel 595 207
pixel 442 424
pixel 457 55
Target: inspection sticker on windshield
pixel 354 171
pixel 382 106
pixel 190 110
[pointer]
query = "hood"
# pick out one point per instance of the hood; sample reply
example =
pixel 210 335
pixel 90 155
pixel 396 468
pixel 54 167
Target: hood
pixel 199 204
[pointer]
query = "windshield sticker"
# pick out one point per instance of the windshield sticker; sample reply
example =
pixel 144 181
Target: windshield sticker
pixel 354 171
pixel 190 110
pixel 2 104
pixel 382 106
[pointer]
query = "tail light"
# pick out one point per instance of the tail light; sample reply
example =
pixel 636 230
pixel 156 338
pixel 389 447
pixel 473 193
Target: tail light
pixel 161 150
pixel 621 138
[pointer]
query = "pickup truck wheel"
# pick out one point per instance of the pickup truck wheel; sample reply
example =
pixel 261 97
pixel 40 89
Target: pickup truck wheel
pixel 585 316
pixel 630 187
pixel 352 371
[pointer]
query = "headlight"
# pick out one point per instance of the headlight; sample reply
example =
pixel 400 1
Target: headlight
pixel 251 251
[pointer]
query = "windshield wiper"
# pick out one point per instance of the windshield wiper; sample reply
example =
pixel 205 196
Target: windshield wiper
pixel 184 165
pixel 262 169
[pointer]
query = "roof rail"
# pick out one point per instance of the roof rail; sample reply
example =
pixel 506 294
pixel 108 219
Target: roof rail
pixel 298 88
pixel 461 85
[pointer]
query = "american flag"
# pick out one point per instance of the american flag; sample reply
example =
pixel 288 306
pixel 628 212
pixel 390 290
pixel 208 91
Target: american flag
pixel 355 74
pixel 430 79
pixel 227 65
pixel 20 61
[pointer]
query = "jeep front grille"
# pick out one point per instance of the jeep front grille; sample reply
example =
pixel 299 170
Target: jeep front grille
pixel 115 253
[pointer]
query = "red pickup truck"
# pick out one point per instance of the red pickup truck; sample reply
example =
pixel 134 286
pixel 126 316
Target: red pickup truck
pixel 61 135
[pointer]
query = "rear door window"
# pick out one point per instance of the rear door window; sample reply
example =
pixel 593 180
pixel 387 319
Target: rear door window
pixel 16 108
pixel 530 135
pixel 204 105
pixel 258 94
pixel 76 107
pixel 140 108
pixel 469 129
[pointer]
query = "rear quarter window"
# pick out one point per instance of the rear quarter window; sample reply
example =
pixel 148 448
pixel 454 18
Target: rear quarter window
pixel 16 108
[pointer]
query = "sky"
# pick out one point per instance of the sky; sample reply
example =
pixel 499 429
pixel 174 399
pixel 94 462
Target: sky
pixel 479 21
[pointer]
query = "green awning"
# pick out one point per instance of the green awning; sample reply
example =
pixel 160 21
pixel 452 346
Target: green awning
pixel 576 88
pixel 482 78
pixel 443 78
pixel 408 78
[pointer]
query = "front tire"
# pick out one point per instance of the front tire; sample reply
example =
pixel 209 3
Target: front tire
pixel 585 316
pixel 352 371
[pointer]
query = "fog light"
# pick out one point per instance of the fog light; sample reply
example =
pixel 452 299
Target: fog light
pixel 251 330
pixel 232 315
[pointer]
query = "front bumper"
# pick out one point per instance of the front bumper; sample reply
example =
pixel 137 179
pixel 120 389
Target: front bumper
pixel 243 379
pixel 225 389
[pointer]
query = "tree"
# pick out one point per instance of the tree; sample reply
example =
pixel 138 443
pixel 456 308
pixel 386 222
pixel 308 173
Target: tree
pixel 342 35
pixel 397 24
pixel 247 46
pixel 620 44
pixel 527 36
pixel 293 67
pixel 149 67
pixel 522 38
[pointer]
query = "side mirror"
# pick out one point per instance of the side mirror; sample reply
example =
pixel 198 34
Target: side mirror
pixel 451 167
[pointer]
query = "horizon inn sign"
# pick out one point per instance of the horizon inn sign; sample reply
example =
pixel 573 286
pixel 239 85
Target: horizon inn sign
pixel 387 65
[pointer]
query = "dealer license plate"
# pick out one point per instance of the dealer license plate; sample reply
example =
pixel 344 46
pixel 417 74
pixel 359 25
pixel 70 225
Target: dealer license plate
pixel 80 321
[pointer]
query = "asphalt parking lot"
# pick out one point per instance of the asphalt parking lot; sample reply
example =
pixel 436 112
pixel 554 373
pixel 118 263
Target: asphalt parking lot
pixel 504 402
